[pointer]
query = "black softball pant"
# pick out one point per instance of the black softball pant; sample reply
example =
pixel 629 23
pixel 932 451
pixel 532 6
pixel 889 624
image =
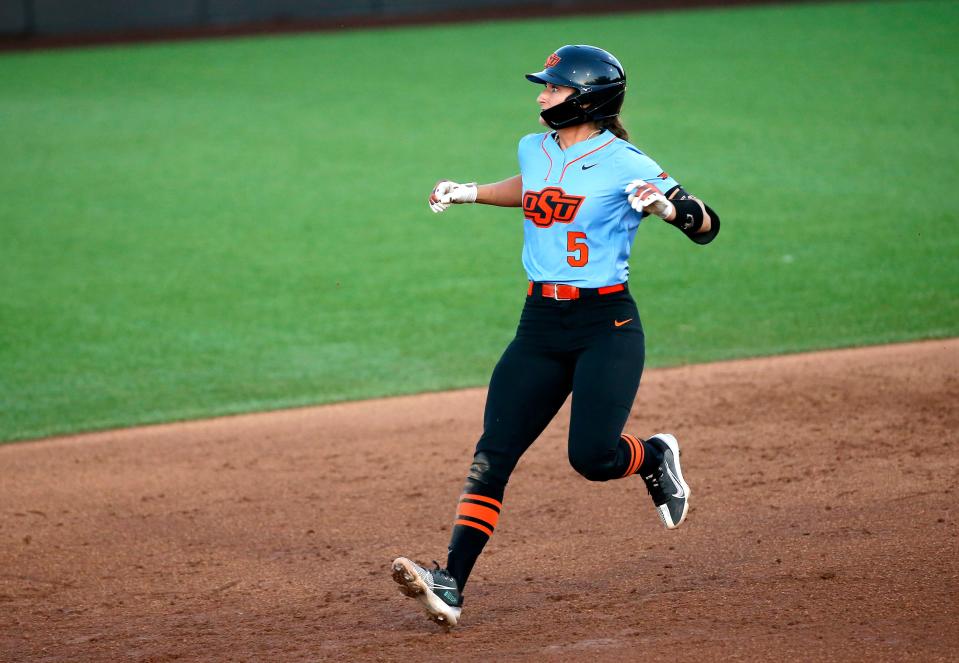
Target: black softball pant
pixel 593 347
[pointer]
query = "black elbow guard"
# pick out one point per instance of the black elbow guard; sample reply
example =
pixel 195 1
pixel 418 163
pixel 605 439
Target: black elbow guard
pixel 690 217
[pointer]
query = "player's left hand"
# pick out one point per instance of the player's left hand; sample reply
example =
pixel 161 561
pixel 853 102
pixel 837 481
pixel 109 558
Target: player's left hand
pixel 644 197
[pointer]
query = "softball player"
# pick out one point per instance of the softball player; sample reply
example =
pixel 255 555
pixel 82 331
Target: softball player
pixel 584 190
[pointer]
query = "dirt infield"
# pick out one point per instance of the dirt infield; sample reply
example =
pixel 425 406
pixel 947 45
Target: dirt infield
pixel 823 527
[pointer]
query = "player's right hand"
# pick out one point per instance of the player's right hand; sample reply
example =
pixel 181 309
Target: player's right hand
pixel 646 198
pixel 447 193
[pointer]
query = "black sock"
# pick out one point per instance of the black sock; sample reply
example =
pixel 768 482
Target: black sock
pixel 652 457
pixel 466 544
pixel 476 517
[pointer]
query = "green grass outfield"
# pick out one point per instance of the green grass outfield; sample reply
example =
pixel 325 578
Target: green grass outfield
pixel 204 228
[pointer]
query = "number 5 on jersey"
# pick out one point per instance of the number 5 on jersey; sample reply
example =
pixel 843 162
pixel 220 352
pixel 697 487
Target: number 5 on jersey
pixel 576 243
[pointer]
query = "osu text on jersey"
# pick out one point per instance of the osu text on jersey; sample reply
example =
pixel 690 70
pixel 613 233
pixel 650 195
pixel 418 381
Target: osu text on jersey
pixel 550 205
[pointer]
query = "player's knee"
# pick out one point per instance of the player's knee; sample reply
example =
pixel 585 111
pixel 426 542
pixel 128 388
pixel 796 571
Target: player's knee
pixel 479 469
pixel 591 465
pixel 489 470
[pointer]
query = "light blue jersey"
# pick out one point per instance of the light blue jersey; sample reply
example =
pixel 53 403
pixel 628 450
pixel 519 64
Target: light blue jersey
pixel 579 226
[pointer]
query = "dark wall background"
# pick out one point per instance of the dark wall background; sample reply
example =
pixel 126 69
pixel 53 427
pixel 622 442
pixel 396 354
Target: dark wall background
pixel 57 17
pixel 52 18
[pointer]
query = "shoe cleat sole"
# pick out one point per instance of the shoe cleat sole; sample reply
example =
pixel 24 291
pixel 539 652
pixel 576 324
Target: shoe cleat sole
pixel 406 580
pixel 413 586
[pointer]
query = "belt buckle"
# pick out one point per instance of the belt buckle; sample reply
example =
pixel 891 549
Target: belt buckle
pixel 556 294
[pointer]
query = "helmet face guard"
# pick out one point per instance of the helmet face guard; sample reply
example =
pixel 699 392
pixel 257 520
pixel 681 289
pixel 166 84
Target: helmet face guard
pixel 596 76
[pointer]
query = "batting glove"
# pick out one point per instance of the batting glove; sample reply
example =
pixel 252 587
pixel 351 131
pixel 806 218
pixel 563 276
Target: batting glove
pixel 447 193
pixel 644 197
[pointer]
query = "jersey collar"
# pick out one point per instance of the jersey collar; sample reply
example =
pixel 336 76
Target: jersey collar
pixel 581 148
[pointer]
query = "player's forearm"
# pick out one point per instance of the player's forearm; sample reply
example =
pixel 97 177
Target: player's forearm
pixel 506 193
pixel 707 221
pixel 694 217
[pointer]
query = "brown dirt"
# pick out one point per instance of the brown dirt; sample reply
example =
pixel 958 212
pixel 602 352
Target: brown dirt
pixel 823 527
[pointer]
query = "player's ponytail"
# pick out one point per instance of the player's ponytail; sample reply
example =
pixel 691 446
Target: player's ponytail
pixel 615 127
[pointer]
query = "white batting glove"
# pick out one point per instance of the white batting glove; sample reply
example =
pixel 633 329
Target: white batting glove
pixel 447 193
pixel 644 197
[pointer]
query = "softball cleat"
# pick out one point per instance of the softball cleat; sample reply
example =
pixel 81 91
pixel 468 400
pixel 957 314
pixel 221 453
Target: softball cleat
pixel 665 483
pixel 434 588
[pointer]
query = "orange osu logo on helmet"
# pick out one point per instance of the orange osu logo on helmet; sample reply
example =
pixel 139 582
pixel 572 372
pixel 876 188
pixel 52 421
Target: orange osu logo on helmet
pixel 552 60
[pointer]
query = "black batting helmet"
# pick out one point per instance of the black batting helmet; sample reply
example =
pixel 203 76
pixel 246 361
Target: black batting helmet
pixel 597 76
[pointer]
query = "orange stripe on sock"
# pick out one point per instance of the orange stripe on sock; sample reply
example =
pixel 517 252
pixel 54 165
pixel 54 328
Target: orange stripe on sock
pixel 640 456
pixel 483 498
pixel 638 453
pixel 632 453
pixel 469 523
pixel 484 513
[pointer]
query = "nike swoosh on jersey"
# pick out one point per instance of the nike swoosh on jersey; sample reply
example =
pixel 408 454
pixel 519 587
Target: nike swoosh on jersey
pixel 620 324
pixel 585 167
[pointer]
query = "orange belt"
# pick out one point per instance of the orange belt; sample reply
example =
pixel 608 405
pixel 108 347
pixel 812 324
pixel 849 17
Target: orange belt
pixel 563 292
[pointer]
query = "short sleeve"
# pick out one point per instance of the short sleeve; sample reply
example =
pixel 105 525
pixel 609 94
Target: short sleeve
pixel 635 165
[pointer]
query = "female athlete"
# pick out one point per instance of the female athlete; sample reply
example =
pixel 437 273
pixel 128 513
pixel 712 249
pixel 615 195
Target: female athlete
pixel 584 190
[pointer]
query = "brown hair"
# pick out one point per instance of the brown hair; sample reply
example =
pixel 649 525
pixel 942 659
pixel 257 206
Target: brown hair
pixel 615 127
